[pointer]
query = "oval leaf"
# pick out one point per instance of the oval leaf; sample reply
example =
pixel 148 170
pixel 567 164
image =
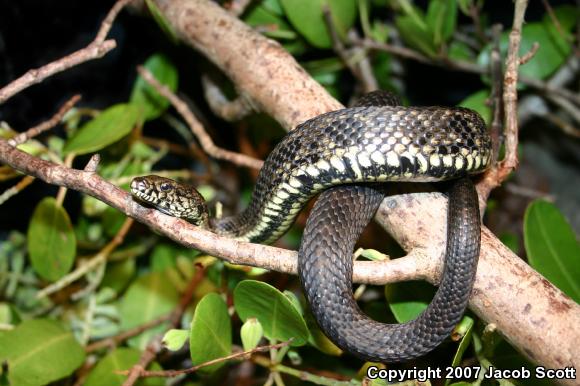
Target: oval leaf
pixel 51 240
pixel 307 17
pixel 477 102
pixel 279 318
pixel 149 297
pixel 39 352
pixel 105 372
pixel 211 332
pixel 108 127
pixel 441 19
pixel 260 16
pixel 151 104
pixel 416 35
pixel 552 247
pixel 175 339
pixel 407 300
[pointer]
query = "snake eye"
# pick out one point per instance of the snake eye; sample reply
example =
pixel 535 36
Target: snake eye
pixel 165 186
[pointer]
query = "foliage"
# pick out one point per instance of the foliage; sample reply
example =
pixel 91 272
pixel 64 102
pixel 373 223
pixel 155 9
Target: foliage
pixel 42 334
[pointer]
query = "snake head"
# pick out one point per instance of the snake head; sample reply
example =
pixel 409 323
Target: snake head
pixel 171 197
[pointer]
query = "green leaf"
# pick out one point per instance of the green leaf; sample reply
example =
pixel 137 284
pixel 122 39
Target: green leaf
pixel 39 352
pixel 273 6
pixel 104 372
pixel 459 51
pixel 416 35
pixel 280 319
pixel 211 332
pixel 510 240
pixel 149 297
pixel 554 48
pixel 151 104
pixel 407 300
pixel 51 240
pixel 251 333
pixel 477 101
pixel 318 339
pixel 464 329
pixel 119 274
pixel 552 247
pixel 441 20
pixel 260 16
pixel 567 16
pixel 174 339
pixel 161 22
pixel 373 255
pixel 549 57
pixel 108 127
pixel 307 17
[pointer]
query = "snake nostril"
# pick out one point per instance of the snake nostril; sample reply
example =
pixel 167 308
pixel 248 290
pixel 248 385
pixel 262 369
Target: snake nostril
pixel 138 185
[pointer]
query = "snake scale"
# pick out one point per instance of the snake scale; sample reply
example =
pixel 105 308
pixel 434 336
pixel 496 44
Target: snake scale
pixel 344 154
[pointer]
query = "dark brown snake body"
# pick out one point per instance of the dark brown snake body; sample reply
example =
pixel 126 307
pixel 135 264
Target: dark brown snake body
pixel 337 153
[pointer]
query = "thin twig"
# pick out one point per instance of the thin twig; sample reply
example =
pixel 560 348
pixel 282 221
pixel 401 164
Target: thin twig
pixel 46 125
pixel 489 180
pixel 20 186
pixel 510 93
pixel 500 171
pixel 566 127
pixel 567 106
pixel 155 344
pixel 242 354
pixel 230 111
pixel 368 83
pixel 123 336
pixel 497 91
pixel 196 126
pixel 301 374
pixel 556 22
pixel 238 7
pixel 530 54
pixel 96 49
pixel 474 14
pixel 466 67
pixel 62 190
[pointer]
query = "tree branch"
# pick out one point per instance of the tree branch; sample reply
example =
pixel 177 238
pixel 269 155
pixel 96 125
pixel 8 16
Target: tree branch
pixel 96 49
pixel 196 127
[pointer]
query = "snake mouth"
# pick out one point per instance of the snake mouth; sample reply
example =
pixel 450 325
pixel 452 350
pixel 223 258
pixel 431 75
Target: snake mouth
pixel 141 190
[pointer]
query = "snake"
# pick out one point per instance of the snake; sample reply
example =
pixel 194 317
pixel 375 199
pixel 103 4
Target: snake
pixel 346 157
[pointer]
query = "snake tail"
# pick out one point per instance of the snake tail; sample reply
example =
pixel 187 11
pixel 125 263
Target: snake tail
pixel 325 267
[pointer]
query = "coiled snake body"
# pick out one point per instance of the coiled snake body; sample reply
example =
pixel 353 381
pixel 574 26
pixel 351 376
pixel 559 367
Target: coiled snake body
pixel 375 141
